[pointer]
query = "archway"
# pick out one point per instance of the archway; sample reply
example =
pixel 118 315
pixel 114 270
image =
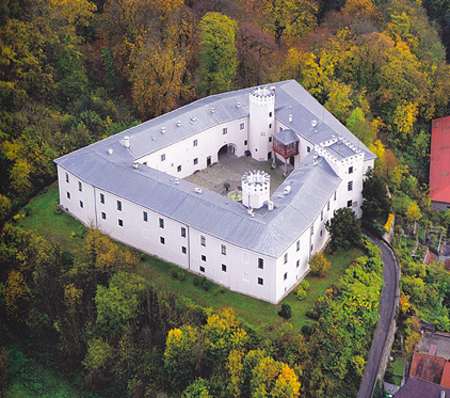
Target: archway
pixel 226 150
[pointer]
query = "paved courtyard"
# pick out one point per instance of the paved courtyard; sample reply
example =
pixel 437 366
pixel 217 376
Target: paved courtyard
pixel 230 169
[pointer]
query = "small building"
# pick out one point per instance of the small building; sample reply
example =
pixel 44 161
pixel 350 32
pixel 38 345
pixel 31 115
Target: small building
pixel 427 367
pixel 440 164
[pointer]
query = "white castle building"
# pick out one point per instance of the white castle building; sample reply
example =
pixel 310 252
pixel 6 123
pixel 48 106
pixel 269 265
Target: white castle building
pixel 131 186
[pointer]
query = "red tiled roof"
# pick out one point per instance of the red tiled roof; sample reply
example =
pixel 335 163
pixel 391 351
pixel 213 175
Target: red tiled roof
pixel 447 264
pixel 430 258
pixel 440 160
pixel 445 381
pixel 427 367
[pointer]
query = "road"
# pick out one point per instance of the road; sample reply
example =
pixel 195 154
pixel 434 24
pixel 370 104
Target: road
pixel 385 319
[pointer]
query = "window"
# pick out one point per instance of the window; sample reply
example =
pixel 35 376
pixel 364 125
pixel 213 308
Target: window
pixel 285 258
pixel 67 177
pixel 245 142
pixel 241 126
pixel 297 264
pixel 245 276
pixel 103 215
pixel 312 248
pixel 224 268
pixel 80 187
pixel 163 157
pixel 145 216
pixel 81 203
pixel 202 240
pixel 195 160
pixel 260 263
pixel 202 269
pixel 308 149
pixel 270 114
pixel 285 276
pixel 328 206
pixel 281 128
pixel 260 281
pixel 179 168
pixel 270 125
pixel 349 203
pixel 119 205
pixel 161 223
pixel 224 131
pixel 312 229
pixel 102 198
pixel 321 215
pixel 298 245
pixel 183 232
pixel 68 195
pixel 224 250
pixel 183 249
pixel 335 195
pixel 195 142
pixel 162 240
pixel 270 139
pixel 120 222
pixel 245 258
pixel 321 232
pixel 203 257
pixel 350 170
pixel 350 185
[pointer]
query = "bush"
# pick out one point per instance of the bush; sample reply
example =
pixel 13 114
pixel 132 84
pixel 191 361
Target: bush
pixel 304 284
pixel 308 330
pixel 205 284
pixel 319 264
pixel 311 314
pixel 301 294
pixel 197 281
pixel 286 311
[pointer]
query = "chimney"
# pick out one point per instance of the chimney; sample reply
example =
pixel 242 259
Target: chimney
pixel 290 118
pixel 126 141
pixel 110 150
pixel 135 164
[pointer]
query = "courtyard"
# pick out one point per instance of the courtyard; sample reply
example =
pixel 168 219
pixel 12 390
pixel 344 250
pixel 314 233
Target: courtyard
pixel 225 176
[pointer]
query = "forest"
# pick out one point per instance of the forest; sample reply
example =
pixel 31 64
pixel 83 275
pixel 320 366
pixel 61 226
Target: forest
pixel 75 71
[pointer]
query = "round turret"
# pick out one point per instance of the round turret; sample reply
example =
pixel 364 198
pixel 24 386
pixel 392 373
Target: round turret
pixel 255 188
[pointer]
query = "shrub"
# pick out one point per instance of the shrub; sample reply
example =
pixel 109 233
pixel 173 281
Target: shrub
pixel 301 294
pixel 286 311
pixel 304 284
pixel 197 281
pixel 311 314
pixel 181 275
pixel 319 264
pixel 308 330
pixel 205 284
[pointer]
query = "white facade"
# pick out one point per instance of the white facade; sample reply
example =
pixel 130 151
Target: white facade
pixel 263 255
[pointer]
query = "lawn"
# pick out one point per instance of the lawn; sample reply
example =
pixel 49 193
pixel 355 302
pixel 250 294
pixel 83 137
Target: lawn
pixel 397 365
pixel 44 219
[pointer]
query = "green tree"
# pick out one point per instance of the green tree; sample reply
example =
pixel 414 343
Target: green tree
pixel 198 389
pixel 344 229
pixel 376 201
pixel 218 58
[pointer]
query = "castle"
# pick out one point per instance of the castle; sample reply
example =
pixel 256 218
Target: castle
pixel 131 186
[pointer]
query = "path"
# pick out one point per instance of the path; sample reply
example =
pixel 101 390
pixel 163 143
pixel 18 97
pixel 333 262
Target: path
pixel 385 321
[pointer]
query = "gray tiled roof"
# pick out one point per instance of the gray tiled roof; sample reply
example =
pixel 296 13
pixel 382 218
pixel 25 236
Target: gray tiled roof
pixel 286 137
pixel 312 183
pixel 440 341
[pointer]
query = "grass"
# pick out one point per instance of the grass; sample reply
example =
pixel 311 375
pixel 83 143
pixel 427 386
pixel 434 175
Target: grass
pixel 45 221
pixel 397 365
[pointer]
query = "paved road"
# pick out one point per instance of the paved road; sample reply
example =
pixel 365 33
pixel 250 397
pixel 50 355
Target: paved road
pixel 385 319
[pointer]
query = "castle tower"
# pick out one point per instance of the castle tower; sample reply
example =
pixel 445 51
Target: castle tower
pixel 261 122
pixel 255 189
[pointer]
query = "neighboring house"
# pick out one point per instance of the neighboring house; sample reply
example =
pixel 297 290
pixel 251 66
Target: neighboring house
pixel 440 164
pixel 437 344
pixel 427 367
pixel 417 388
pixel 131 186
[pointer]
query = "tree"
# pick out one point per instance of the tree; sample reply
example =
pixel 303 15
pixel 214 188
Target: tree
pixel 344 229
pixel 198 389
pixel 319 264
pixel 218 58
pixel 413 214
pixel 376 201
